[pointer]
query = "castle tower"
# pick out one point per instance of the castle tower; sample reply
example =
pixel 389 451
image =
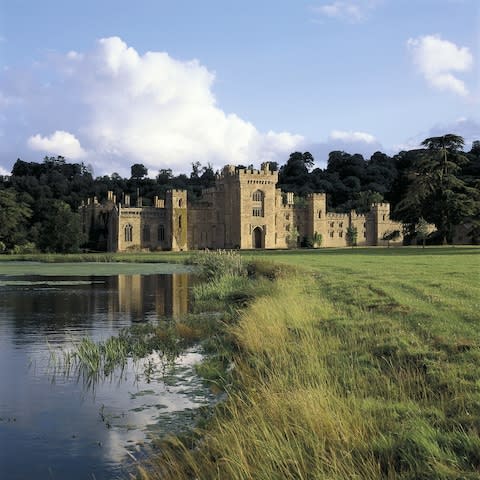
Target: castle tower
pixel 379 223
pixel 176 206
pixel 316 216
pixel 257 208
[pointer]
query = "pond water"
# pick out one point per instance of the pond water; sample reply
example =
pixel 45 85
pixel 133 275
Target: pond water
pixel 54 426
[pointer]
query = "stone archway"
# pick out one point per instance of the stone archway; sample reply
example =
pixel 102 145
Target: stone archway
pixel 257 238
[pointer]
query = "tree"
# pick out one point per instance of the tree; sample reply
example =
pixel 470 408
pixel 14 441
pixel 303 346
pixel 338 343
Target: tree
pixel 435 190
pixel 352 235
pixel 60 230
pixel 138 171
pixel 14 217
pixel 164 176
pixel 391 236
pixel 297 165
pixel 422 230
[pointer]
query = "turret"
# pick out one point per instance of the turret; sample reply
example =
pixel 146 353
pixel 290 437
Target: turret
pixel 176 205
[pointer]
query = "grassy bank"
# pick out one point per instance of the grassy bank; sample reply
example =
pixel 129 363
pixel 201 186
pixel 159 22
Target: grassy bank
pixel 363 364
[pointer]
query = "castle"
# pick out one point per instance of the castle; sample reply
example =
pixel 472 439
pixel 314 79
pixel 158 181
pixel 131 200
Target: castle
pixel 244 209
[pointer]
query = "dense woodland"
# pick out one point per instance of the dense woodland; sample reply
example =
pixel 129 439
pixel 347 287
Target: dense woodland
pixel 439 184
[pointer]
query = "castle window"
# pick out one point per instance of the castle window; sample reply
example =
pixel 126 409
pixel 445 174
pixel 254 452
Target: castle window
pixel 340 234
pixel 180 222
pixel 257 196
pixel 161 233
pixel 319 214
pixel 128 233
pixel 384 218
pixel 332 234
pixel 364 225
pixel 180 203
pixel 146 233
pixel 287 227
pixel 340 224
pixel 332 224
pixel 287 216
pixel 364 234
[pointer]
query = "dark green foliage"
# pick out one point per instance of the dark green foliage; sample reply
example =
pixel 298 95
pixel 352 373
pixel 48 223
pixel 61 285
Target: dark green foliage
pixel 60 230
pixel 435 189
pixel 14 217
pixel 391 235
pixel 138 171
pixel 352 235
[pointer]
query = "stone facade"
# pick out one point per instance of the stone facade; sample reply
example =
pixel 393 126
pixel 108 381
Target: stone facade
pixel 244 210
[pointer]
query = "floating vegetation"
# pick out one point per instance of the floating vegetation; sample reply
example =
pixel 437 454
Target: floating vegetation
pixel 152 347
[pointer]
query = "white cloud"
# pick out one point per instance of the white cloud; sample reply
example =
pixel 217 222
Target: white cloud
pixel 436 59
pixel 3 171
pixel 59 143
pixel 466 127
pixel 347 10
pixel 350 136
pixel 122 107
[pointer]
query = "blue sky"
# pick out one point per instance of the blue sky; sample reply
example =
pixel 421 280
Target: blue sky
pixel 167 83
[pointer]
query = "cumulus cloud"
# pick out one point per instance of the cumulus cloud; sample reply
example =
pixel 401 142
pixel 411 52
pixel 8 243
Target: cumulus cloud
pixel 346 10
pixel 113 107
pixel 348 141
pixel 436 59
pixel 352 136
pixel 59 143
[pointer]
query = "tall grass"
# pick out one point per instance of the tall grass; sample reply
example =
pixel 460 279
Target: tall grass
pixel 349 372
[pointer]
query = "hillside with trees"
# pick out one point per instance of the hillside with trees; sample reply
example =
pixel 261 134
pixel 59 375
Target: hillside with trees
pixel 438 184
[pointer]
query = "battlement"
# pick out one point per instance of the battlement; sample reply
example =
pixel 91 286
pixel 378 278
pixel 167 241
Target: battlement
pixel 334 215
pixel 176 191
pixel 231 171
pixel 249 172
pixel 356 216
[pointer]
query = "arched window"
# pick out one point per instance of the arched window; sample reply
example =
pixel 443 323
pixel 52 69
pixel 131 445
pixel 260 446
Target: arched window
pixel 161 233
pixel 180 203
pixel 128 233
pixel 146 233
pixel 258 199
pixel 257 196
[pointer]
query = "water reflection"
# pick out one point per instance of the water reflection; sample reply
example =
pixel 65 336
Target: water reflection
pixel 58 429
pixel 33 301
pixel 145 296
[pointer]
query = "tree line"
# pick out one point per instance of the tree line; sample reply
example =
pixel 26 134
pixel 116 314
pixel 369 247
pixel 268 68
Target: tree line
pixel 437 184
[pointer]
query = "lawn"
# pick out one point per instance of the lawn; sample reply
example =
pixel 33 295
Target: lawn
pixel 362 364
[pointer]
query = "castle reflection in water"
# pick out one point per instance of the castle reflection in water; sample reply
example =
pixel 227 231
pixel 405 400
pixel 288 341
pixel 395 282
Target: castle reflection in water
pixel 151 296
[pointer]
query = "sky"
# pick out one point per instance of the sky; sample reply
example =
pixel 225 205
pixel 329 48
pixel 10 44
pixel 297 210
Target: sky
pixel 166 83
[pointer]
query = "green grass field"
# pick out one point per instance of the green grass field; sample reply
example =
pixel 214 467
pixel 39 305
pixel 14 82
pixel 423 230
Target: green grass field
pixel 363 364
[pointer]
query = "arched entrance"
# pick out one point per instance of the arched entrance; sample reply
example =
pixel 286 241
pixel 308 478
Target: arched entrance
pixel 257 237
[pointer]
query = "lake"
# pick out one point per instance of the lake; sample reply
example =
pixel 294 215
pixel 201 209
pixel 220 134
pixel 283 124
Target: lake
pixel 54 426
